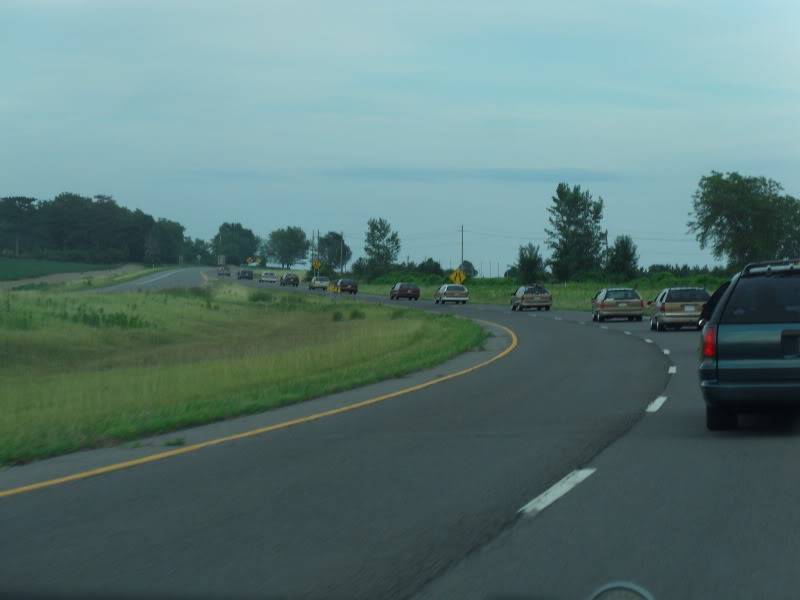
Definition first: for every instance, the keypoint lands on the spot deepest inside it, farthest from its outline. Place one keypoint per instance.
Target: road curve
(383, 502)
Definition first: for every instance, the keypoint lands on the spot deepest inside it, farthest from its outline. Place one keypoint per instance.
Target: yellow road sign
(316, 264)
(458, 276)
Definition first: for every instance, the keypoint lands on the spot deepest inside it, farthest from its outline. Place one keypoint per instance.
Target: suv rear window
(622, 295)
(536, 289)
(698, 295)
(772, 299)
(456, 288)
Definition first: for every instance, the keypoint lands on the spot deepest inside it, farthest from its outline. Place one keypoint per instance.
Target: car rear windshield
(698, 295)
(622, 295)
(537, 289)
(348, 282)
(772, 299)
(456, 288)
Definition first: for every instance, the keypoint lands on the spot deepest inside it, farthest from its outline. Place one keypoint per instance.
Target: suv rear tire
(719, 418)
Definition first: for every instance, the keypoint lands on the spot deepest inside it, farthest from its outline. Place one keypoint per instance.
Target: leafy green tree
(235, 242)
(287, 246)
(623, 260)
(382, 245)
(198, 251)
(17, 222)
(468, 268)
(745, 219)
(168, 237)
(530, 265)
(430, 267)
(333, 250)
(575, 235)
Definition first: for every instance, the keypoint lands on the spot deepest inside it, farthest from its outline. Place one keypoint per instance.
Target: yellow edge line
(261, 430)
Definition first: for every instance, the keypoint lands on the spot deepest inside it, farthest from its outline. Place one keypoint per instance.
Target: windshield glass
(757, 300)
(622, 295)
(693, 295)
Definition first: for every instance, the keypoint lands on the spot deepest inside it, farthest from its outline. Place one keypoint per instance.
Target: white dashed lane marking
(656, 404)
(666, 351)
(672, 370)
(555, 492)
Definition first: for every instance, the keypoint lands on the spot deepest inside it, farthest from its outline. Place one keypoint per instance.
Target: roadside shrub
(357, 314)
(337, 316)
(86, 315)
(261, 296)
(289, 303)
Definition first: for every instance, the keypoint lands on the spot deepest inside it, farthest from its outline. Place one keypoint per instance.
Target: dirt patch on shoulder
(64, 277)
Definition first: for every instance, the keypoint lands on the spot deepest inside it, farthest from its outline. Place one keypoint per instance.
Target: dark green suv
(750, 350)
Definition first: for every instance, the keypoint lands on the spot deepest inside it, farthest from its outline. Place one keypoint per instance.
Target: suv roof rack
(770, 266)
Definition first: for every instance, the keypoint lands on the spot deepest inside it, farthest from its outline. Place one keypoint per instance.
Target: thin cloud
(446, 175)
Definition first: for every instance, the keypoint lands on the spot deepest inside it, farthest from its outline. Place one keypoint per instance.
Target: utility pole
(462, 247)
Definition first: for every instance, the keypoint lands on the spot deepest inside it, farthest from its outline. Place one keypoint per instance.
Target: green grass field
(90, 281)
(81, 370)
(569, 296)
(20, 268)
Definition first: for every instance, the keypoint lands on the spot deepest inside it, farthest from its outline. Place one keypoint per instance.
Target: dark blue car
(751, 343)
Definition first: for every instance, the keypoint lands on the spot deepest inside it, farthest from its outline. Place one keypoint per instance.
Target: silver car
(319, 283)
(268, 278)
(451, 292)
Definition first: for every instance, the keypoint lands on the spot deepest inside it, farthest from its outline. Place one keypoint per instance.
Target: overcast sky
(432, 114)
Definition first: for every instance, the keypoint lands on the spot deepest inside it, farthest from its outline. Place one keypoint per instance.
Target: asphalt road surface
(420, 496)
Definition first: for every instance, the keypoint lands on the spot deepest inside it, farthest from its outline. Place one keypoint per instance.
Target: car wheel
(547, 308)
(513, 307)
(719, 418)
(600, 318)
(652, 324)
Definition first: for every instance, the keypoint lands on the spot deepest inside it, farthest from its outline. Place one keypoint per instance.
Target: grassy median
(87, 370)
(21, 268)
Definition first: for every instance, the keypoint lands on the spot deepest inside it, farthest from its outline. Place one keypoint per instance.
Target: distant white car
(268, 278)
(319, 283)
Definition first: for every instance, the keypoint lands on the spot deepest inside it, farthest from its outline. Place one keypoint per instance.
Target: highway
(421, 496)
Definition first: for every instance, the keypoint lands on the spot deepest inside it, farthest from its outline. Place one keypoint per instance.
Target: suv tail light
(662, 308)
(602, 305)
(641, 303)
(710, 341)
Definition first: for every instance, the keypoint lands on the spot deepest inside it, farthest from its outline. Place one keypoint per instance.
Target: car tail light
(662, 308)
(710, 341)
(602, 305)
(641, 303)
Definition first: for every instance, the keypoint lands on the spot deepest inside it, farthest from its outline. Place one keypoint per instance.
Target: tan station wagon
(451, 293)
(617, 303)
(678, 307)
(531, 296)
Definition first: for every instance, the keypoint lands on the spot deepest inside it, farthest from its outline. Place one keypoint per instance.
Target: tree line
(74, 227)
(741, 219)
